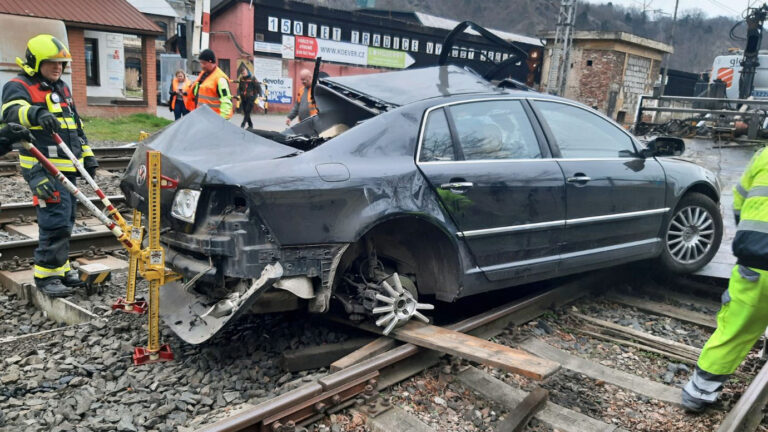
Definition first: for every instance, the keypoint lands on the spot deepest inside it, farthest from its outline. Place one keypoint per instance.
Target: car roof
(411, 85)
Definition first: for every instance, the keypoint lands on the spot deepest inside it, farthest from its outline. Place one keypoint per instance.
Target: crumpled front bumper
(192, 316)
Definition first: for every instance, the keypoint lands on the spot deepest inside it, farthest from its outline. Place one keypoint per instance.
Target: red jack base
(142, 356)
(137, 307)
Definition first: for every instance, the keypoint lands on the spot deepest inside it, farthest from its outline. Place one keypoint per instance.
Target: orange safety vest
(312, 106)
(189, 98)
(208, 90)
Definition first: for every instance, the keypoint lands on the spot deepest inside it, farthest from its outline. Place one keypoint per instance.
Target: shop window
(92, 62)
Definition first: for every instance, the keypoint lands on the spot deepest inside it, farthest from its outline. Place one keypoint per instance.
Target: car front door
(486, 161)
(615, 198)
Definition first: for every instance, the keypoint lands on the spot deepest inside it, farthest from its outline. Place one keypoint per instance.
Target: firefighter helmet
(40, 48)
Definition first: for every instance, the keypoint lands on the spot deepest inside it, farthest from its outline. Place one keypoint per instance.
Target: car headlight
(185, 205)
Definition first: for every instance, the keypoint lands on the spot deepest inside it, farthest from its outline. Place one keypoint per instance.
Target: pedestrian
(247, 94)
(38, 99)
(742, 317)
(305, 106)
(181, 101)
(212, 86)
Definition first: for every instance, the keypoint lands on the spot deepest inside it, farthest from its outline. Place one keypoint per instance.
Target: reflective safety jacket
(310, 101)
(213, 90)
(188, 97)
(23, 99)
(750, 205)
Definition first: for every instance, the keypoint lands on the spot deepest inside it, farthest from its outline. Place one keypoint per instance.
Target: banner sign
(344, 52)
(280, 90)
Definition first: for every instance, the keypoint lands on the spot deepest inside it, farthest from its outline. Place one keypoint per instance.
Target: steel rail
(110, 158)
(746, 414)
(78, 244)
(25, 211)
(487, 324)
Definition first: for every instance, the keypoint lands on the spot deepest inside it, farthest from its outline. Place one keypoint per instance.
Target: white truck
(17, 30)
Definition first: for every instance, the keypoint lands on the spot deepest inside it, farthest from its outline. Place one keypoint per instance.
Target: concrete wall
(111, 63)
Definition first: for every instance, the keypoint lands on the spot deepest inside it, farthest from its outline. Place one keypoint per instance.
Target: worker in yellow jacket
(212, 86)
(743, 316)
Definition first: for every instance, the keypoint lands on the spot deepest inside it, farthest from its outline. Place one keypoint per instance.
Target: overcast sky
(729, 8)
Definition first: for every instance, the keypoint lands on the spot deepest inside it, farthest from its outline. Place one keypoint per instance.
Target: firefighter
(38, 99)
(305, 104)
(742, 317)
(212, 86)
(12, 133)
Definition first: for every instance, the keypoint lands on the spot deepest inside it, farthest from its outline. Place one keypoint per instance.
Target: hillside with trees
(698, 38)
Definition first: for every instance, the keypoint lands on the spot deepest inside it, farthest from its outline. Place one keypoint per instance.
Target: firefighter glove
(90, 164)
(12, 133)
(48, 121)
(41, 183)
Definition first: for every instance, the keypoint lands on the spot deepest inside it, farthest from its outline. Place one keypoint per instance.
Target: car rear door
(487, 162)
(615, 198)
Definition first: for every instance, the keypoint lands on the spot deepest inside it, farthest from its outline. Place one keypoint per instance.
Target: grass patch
(122, 129)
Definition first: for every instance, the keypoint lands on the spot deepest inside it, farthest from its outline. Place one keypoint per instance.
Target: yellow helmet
(40, 48)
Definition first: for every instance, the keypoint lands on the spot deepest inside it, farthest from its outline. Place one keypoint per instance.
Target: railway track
(20, 219)
(110, 158)
(382, 364)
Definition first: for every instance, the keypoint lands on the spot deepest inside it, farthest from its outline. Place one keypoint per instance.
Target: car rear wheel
(692, 235)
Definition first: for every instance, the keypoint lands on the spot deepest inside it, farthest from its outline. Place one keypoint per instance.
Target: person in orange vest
(212, 86)
(181, 102)
(305, 106)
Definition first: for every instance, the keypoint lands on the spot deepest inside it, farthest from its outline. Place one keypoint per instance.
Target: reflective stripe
(67, 123)
(753, 225)
(87, 151)
(45, 272)
(207, 98)
(740, 189)
(24, 116)
(758, 191)
(11, 103)
(64, 165)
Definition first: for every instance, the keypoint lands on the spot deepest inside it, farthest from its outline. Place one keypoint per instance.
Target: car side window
(436, 144)
(495, 130)
(582, 134)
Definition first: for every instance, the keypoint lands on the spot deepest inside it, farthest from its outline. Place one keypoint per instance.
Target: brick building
(609, 70)
(95, 33)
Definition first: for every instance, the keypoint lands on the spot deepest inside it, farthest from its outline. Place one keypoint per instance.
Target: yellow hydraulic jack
(151, 263)
(130, 304)
(150, 260)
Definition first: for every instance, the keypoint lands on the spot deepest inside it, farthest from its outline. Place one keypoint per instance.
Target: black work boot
(72, 279)
(53, 287)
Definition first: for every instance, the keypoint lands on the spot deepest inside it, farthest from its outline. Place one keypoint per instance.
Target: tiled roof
(109, 15)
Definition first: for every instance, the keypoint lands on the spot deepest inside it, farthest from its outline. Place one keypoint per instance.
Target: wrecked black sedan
(423, 185)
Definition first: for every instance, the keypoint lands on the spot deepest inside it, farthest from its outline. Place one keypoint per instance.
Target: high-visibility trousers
(741, 321)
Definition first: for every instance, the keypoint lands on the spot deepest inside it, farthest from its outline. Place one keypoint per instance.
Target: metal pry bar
(111, 210)
(121, 235)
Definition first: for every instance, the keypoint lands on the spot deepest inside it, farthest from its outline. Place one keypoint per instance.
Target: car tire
(692, 234)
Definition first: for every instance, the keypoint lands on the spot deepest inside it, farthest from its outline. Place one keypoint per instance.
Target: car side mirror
(664, 146)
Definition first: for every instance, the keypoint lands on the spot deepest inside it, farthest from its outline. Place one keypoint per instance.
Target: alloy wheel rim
(690, 234)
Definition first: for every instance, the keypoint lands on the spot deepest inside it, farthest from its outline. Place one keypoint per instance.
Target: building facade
(95, 33)
(610, 70)
(276, 39)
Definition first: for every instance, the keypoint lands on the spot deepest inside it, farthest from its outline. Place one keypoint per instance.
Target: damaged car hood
(199, 142)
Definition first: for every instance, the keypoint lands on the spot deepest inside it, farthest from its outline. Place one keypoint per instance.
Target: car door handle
(578, 178)
(457, 185)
